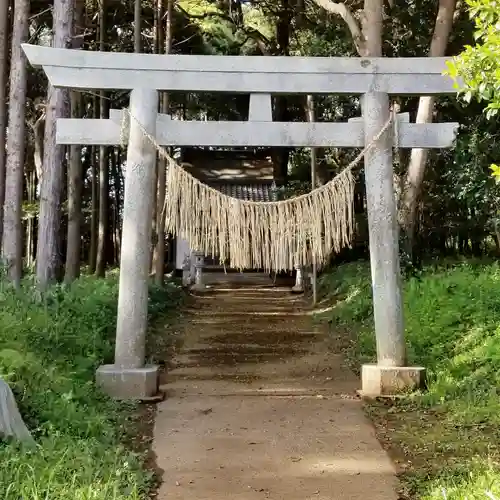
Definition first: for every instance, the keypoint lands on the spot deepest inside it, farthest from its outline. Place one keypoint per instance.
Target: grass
(49, 350)
(446, 439)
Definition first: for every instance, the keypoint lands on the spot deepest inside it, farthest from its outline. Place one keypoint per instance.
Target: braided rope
(163, 153)
(273, 235)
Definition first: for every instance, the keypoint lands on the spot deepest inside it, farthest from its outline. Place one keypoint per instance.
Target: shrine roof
(254, 191)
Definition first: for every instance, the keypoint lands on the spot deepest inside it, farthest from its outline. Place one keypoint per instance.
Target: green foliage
(495, 172)
(452, 318)
(49, 350)
(463, 177)
(479, 65)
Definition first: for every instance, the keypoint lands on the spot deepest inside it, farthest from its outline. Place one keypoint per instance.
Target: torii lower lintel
(108, 132)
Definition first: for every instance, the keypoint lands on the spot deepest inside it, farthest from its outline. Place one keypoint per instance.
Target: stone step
(225, 349)
(223, 313)
(236, 321)
(230, 302)
(233, 359)
(257, 369)
(260, 337)
(238, 387)
(235, 387)
(244, 290)
(277, 299)
(240, 308)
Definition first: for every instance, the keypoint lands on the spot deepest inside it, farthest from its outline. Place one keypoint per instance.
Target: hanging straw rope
(273, 236)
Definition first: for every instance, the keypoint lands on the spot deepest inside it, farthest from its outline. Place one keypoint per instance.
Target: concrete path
(258, 408)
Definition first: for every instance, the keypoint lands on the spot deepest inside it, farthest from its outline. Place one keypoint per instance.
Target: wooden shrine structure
(145, 74)
(242, 173)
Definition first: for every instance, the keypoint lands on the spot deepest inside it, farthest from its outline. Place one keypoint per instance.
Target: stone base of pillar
(186, 277)
(299, 280)
(199, 287)
(380, 381)
(128, 383)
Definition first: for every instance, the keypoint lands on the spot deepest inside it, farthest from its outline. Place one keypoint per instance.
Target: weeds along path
(257, 407)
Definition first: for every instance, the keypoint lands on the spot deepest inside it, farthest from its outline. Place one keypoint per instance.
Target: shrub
(49, 350)
(452, 318)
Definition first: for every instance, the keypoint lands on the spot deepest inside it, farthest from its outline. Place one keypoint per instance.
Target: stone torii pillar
(128, 377)
(391, 372)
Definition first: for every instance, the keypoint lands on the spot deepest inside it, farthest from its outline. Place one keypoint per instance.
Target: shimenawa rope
(274, 236)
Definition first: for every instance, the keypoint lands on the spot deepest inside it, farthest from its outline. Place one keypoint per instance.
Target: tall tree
(12, 230)
(4, 38)
(94, 216)
(363, 40)
(157, 44)
(284, 19)
(372, 26)
(162, 166)
(418, 158)
(103, 162)
(137, 26)
(72, 267)
(311, 118)
(48, 248)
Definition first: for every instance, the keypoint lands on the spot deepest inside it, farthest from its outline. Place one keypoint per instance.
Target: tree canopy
(478, 66)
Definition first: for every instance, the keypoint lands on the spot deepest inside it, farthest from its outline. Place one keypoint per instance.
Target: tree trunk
(118, 181)
(4, 53)
(12, 230)
(30, 224)
(94, 222)
(103, 165)
(103, 204)
(418, 158)
(372, 28)
(157, 47)
(281, 156)
(38, 133)
(114, 211)
(311, 118)
(72, 269)
(162, 166)
(341, 9)
(48, 248)
(137, 26)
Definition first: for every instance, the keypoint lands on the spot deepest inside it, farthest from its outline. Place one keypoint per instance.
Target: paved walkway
(258, 408)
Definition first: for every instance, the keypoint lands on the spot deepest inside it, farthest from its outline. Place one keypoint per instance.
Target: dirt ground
(258, 407)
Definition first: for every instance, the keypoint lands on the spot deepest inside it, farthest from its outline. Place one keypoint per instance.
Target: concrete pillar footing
(129, 383)
(389, 381)
(199, 287)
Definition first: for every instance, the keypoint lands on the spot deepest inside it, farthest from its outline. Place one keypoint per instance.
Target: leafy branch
(341, 9)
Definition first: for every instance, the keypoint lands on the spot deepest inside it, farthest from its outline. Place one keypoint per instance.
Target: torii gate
(374, 78)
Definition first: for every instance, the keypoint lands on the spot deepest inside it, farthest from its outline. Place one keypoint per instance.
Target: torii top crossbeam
(242, 74)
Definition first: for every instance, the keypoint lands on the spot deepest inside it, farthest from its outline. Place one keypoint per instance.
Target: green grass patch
(449, 435)
(49, 351)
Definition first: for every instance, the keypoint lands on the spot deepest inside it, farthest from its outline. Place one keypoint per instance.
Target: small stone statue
(299, 280)
(186, 271)
(11, 422)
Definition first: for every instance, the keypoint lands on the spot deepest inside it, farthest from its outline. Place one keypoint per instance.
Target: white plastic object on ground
(11, 422)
